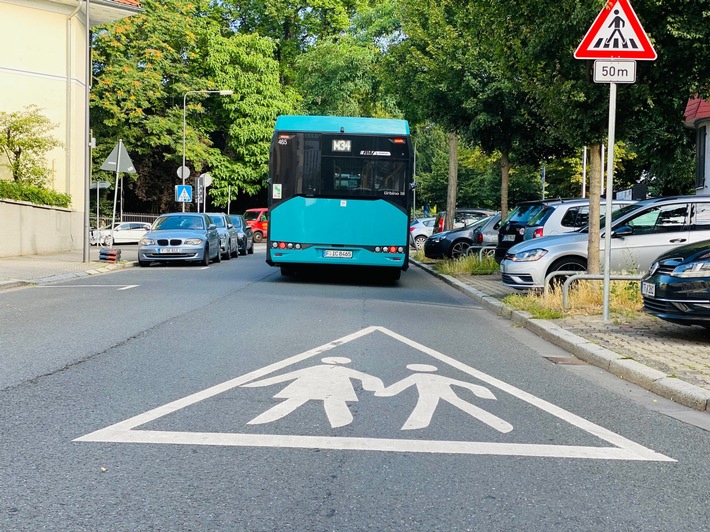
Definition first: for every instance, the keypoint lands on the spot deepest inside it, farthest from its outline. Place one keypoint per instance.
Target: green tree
(145, 64)
(25, 139)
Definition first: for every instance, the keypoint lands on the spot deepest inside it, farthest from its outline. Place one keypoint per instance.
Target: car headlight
(699, 268)
(528, 256)
(193, 241)
(146, 242)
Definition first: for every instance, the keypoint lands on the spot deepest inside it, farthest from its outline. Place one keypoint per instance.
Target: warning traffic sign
(307, 400)
(616, 34)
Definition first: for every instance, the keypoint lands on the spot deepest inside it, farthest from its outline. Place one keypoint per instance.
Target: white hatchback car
(124, 233)
(640, 233)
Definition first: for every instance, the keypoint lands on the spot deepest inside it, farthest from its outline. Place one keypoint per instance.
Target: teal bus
(340, 191)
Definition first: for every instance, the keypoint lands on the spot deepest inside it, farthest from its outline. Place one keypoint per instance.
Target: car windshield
(522, 213)
(236, 221)
(541, 216)
(478, 223)
(178, 222)
(615, 215)
(218, 221)
(251, 215)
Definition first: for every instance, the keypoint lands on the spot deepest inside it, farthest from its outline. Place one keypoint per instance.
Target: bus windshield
(308, 164)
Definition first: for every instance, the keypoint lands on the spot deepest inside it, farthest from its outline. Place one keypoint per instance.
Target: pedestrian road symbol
(316, 383)
(183, 193)
(616, 34)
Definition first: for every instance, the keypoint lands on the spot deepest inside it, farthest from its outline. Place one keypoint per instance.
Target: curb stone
(623, 367)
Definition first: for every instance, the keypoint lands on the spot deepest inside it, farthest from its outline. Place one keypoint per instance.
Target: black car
(245, 235)
(677, 286)
(512, 229)
(452, 244)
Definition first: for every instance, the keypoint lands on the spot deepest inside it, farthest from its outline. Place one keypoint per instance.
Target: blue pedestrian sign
(183, 193)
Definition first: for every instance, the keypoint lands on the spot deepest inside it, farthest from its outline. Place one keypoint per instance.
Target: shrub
(33, 194)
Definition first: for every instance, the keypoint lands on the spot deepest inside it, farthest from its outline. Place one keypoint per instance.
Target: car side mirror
(211, 227)
(624, 230)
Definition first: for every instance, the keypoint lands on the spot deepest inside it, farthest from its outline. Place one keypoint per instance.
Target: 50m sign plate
(607, 71)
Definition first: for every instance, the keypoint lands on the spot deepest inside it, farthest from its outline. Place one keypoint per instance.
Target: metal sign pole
(609, 192)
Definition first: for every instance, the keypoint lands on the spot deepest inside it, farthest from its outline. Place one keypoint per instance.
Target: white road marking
(125, 431)
(122, 286)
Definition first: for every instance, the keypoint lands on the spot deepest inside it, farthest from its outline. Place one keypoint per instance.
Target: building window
(700, 158)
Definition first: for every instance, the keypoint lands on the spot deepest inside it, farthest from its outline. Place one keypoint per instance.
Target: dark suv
(462, 218)
(512, 229)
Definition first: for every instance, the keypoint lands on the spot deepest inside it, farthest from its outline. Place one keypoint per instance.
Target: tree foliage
(25, 140)
(147, 68)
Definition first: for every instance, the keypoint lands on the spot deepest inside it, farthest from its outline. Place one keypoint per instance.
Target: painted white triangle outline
(126, 431)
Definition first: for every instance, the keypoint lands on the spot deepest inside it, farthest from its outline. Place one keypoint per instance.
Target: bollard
(111, 256)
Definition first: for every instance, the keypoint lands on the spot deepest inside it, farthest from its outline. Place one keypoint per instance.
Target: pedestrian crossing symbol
(616, 34)
(183, 193)
(374, 390)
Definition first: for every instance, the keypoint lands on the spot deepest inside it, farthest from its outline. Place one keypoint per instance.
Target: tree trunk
(504, 175)
(595, 169)
(453, 182)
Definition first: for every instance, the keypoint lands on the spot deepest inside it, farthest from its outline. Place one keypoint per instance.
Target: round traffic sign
(183, 172)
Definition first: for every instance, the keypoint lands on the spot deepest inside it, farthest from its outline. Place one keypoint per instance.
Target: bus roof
(344, 124)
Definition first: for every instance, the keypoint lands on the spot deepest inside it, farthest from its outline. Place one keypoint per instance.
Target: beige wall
(36, 230)
(34, 69)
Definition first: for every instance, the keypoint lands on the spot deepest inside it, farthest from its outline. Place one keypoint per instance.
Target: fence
(105, 221)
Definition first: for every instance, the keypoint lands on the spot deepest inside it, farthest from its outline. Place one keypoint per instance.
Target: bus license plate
(169, 250)
(648, 289)
(337, 254)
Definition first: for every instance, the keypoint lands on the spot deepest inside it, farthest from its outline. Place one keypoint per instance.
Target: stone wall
(27, 229)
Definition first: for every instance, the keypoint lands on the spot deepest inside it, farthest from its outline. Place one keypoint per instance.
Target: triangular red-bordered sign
(616, 34)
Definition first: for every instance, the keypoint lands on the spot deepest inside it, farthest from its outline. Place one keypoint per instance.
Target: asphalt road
(230, 398)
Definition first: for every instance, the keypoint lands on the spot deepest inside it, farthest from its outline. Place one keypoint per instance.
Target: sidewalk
(670, 360)
(32, 269)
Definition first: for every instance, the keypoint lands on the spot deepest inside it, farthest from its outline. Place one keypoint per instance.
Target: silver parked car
(565, 216)
(180, 236)
(419, 230)
(228, 236)
(640, 233)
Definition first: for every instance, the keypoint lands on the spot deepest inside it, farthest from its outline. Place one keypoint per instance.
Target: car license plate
(508, 238)
(169, 250)
(338, 254)
(648, 289)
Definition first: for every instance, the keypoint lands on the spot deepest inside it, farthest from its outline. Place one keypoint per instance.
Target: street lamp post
(184, 124)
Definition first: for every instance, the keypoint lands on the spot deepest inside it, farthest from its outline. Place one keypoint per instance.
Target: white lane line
(120, 286)
(624, 449)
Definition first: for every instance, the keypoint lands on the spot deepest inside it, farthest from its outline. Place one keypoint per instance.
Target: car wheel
(243, 251)
(251, 249)
(218, 257)
(206, 258)
(459, 249)
(258, 237)
(571, 264)
(419, 242)
(228, 254)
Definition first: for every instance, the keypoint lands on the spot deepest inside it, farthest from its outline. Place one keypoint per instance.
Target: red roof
(697, 109)
(132, 3)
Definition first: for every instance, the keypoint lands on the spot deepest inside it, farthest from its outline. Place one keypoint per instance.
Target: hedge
(33, 194)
